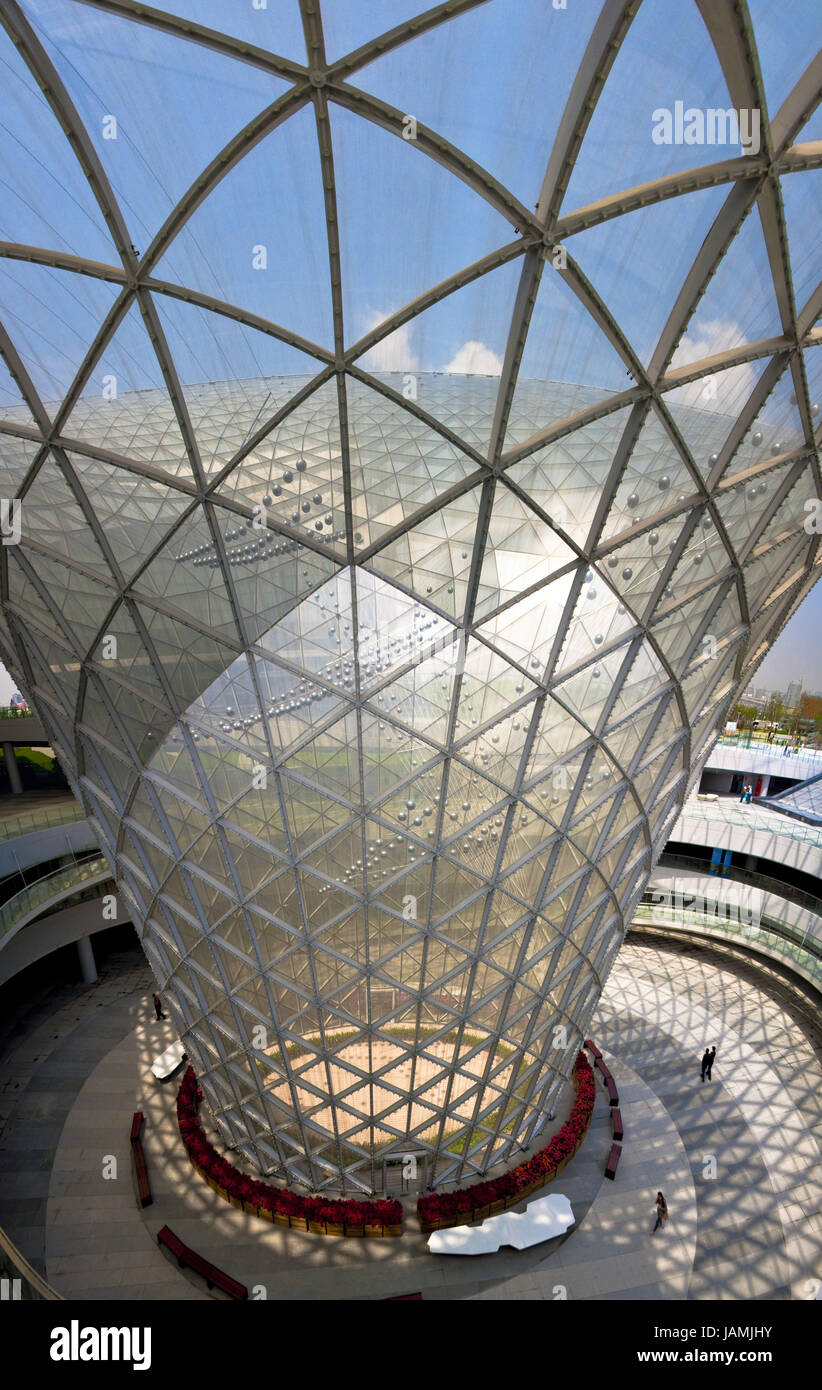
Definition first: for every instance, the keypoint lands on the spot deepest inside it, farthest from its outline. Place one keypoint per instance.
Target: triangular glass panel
(636, 569)
(455, 350)
(637, 263)
(275, 261)
(654, 477)
(776, 430)
(616, 155)
(234, 378)
(566, 477)
(369, 160)
(587, 693)
(598, 620)
(52, 317)
(295, 473)
(497, 751)
(728, 315)
(126, 407)
(434, 558)
(135, 513)
(187, 575)
(50, 516)
(332, 759)
(526, 632)
(521, 550)
(317, 635)
(705, 411)
(154, 82)
(398, 464)
(565, 344)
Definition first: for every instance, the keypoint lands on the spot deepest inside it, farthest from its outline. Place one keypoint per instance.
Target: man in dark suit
(705, 1064)
(710, 1060)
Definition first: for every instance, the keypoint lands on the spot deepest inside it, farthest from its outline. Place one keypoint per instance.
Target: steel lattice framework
(384, 688)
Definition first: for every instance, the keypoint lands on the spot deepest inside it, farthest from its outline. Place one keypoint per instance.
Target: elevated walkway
(46, 892)
(23, 730)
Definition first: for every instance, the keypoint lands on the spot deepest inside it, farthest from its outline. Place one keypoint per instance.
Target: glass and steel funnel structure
(409, 445)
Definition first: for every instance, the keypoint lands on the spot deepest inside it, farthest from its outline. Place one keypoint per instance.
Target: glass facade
(406, 459)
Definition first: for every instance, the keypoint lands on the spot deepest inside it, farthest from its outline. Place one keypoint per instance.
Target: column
(87, 962)
(12, 769)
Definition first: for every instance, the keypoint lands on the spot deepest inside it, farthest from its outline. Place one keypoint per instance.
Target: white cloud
(392, 354)
(475, 359)
(725, 391)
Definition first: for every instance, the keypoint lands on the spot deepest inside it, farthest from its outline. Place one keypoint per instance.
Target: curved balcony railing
(780, 887)
(802, 950)
(24, 1283)
(11, 827)
(32, 900)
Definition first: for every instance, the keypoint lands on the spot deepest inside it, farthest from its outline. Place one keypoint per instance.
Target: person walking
(706, 1062)
(158, 1007)
(661, 1212)
(710, 1060)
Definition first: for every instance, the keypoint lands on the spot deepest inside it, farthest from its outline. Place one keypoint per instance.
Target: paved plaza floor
(737, 1157)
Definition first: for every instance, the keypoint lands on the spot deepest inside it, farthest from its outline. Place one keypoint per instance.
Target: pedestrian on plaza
(158, 1008)
(661, 1212)
(711, 1057)
(706, 1062)
(742, 791)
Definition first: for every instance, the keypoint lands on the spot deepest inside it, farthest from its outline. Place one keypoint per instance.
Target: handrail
(780, 887)
(13, 826)
(61, 883)
(13, 1265)
(780, 939)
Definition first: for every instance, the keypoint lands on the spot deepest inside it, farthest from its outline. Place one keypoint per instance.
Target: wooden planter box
(318, 1227)
(236, 1201)
(298, 1223)
(280, 1218)
(265, 1213)
(354, 1230)
(496, 1207)
(334, 1228)
(374, 1229)
(392, 1231)
(251, 1208)
(480, 1213)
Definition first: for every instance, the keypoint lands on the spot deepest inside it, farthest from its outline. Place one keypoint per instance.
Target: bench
(609, 1081)
(592, 1048)
(616, 1121)
(214, 1277)
(613, 1160)
(140, 1169)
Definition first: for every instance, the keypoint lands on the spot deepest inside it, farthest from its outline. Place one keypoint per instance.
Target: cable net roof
(409, 434)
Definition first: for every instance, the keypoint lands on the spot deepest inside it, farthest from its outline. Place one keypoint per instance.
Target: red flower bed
(276, 1200)
(453, 1207)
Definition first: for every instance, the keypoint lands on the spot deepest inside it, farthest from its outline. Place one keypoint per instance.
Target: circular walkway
(737, 1158)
